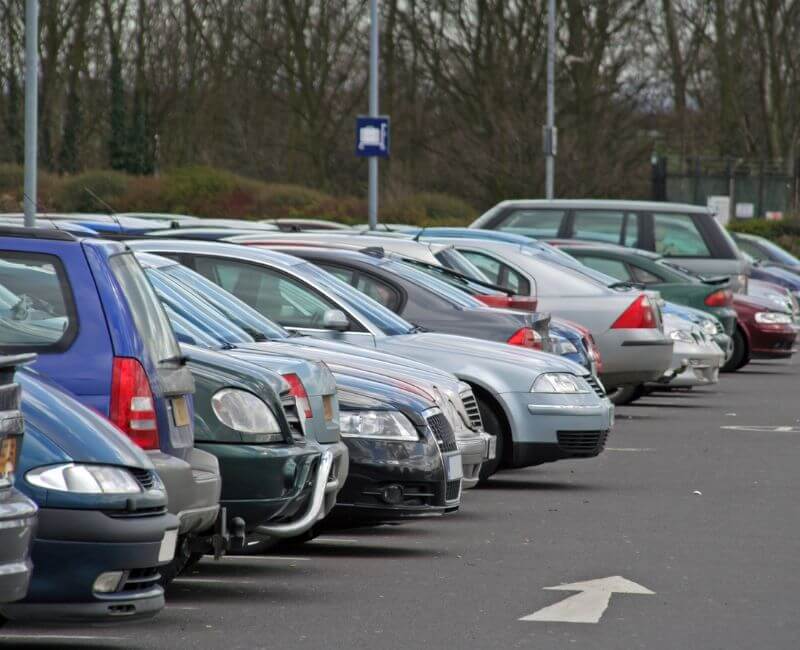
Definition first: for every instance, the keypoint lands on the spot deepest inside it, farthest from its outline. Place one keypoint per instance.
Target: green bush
(430, 209)
(12, 178)
(785, 233)
(71, 194)
(276, 200)
(196, 189)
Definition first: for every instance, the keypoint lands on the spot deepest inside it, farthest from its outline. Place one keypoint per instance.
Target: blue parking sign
(372, 137)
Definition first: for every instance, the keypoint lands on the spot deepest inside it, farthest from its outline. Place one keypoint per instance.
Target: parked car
(104, 533)
(209, 311)
(17, 512)
(651, 270)
(687, 234)
(696, 358)
(272, 471)
(110, 226)
(202, 232)
(624, 321)
(426, 301)
(765, 332)
(85, 307)
(765, 251)
(710, 325)
(541, 407)
(299, 225)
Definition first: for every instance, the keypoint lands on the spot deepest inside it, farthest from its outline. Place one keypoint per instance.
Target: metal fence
(767, 186)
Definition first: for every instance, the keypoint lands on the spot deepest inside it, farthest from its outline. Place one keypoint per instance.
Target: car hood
(60, 429)
(496, 353)
(356, 393)
(316, 378)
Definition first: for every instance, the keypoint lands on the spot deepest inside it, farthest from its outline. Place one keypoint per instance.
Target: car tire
(492, 424)
(740, 356)
(622, 395)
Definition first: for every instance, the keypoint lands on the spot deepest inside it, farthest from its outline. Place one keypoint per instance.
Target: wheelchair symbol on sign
(372, 136)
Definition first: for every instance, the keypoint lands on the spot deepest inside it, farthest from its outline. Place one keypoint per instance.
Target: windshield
(196, 311)
(257, 325)
(188, 332)
(567, 261)
(777, 254)
(426, 279)
(379, 316)
(148, 314)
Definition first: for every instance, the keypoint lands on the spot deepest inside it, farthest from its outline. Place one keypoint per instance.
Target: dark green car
(651, 270)
(268, 474)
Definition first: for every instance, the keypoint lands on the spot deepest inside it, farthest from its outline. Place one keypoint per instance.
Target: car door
(280, 296)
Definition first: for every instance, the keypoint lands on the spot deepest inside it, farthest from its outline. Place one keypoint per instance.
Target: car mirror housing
(335, 319)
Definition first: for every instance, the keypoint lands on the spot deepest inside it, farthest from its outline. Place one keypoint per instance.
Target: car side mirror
(335, 319)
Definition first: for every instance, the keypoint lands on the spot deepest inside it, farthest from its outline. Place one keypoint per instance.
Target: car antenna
(418, 235)
(111, 211)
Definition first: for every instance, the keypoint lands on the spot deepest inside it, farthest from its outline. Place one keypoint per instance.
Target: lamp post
(550, 131)
(31, 108)
(373, 110)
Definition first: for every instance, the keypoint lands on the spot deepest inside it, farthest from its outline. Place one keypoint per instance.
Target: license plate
(327, 407)
(492, 451)
(167, 550)
(454, 468)
(180, 412)
(8, 456)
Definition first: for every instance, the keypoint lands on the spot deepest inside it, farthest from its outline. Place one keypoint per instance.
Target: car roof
(655, 206)
(223, 249)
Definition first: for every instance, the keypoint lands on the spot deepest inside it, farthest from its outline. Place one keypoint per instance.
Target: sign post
(31, 108)
(550, 128)
(373, 110)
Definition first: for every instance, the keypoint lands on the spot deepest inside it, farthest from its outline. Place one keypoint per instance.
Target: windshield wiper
(417, 329)
(626, 284)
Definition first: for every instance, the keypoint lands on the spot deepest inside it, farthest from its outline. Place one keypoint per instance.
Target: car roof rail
(36, 233)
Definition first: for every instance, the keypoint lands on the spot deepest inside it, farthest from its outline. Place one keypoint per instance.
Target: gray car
(624, 321)
(687, 234)
(541, 407)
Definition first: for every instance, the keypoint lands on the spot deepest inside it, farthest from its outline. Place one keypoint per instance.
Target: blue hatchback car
(87, 309)
(104, 529)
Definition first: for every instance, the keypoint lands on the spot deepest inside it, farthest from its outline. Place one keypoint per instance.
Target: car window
(644, 276)
(777, 254)
(599, 225)
(614, 268)
(499, 273)
(532, 222)
(631, 230)
(676, 235)
(275, 295)
(148, 314)
(751, 248)
(36, 307)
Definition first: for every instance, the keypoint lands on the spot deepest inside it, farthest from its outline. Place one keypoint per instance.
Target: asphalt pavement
(695, 500)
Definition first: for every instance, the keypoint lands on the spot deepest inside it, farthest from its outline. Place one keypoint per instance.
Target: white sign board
(745, 210)
(721, 205)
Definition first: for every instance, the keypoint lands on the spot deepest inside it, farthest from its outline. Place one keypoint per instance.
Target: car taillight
(527, 337)
(300, 395)
(496, 300)
(594, 352)
(132, 408)
(639, 315)
(525, 303)
(721, 298)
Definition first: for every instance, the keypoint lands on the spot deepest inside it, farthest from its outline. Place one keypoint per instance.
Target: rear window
(36, 307)
(148, 314)
(533, 223)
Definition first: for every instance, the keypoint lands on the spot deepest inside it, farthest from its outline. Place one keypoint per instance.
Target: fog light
(392, 494)
(108, 582)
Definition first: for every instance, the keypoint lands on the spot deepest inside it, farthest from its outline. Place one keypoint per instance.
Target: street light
(373, 110)
(550, 131)
(31, 108)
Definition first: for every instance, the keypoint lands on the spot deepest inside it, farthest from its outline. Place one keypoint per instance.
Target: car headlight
(84, 479)
(560, 382)
(379, 425)
(773, 318)
(562, 347)
(711, 328)
(246, 413)
(682, 336)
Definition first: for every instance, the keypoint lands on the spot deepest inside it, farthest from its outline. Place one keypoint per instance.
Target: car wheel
(492, 424)
(740, 356)
(625, 395)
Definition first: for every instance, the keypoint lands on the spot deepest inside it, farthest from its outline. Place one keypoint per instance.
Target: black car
(426, 301)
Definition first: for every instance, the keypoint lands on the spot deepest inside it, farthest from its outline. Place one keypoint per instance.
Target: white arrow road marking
(589, 605)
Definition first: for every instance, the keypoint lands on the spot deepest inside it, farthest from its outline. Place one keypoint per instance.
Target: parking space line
(335, 540)
(630, 449)
(215, 580)
(68, 637)
(267, 557)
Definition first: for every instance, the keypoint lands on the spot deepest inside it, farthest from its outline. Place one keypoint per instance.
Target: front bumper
(777, 342)
(73, 547)
(633, 356)
(548, 427)
(474, 452)
(17, 527)
(395, 481)
(193, 488)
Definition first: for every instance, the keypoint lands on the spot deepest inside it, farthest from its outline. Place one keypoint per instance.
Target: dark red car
(766, 333)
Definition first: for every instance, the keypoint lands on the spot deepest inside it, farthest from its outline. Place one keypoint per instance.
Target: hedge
(785, 233)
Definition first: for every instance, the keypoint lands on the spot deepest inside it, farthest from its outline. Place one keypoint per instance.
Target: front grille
(140, 580)
(582, 443)
(596, 387)
(473, 412)
(144, 477)
(443, 432)
(452, 491)
(292, 415)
